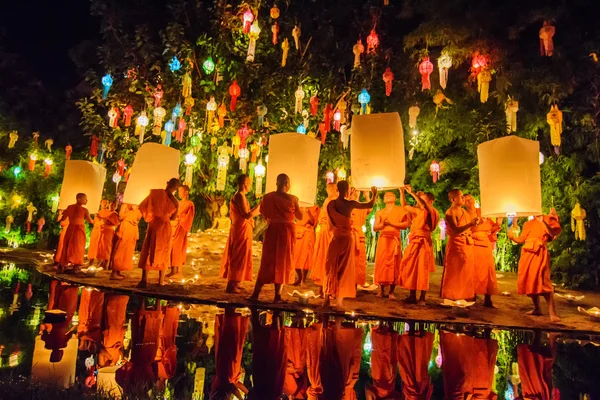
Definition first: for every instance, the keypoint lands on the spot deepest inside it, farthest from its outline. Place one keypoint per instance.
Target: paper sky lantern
(297, 156)
(509, 177)
(377, 151)
(82, 177)
(107, 383)
(153, 166)
(61, 373)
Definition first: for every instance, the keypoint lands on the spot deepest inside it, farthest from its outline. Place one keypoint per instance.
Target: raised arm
(369, 204)
(524, 232)
(452, 220)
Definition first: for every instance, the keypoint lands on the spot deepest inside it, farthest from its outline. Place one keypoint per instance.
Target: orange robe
(74, 241)
(388, 255)
(157, 210)
(340, 280)
(268, 362)
(277, 261)
(359, 218)
(114, 329)
(314, 344)
(534, 263)
(341, 359)
(413, 357)
(383, 362)
(95, 237)
(237, 258)
(61, 240)
(166, 355)
(535, 370)
(458, 365)
(458, 279)
(483, 257)
(110, 220)
(296, 349)
(185, 217)
(230, 335)
(418, 259)
(90, 314)
(305, 239)
(323, 238)
(483, 364)
(128, 234)
(56, 336)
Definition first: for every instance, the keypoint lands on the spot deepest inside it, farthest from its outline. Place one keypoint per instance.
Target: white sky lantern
(153, 166)
(82, 177)
(107, 383)
(377, 151)
(60, 373)
(509, 177)
(297, 156)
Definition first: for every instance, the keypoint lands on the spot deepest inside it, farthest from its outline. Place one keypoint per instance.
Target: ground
(204, 258)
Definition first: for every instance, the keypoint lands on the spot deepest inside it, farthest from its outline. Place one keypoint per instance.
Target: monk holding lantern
(323, 238)
(74, 240)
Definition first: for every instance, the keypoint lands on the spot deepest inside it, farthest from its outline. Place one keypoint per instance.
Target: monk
(534, 264)
(418, 260)
(61, 239)
(236, 265)
(414, 353)
(128, 234)
(95, 234)
(74, 241)
(388, 256)
(277, 262)
(181, 227)
(459, 271)
(113, 333)
(359, 219)
(323, 238)
(295, 383)
(383, 364)
(110, 220)
(483, 253)
(158, 209)
(305, 243)
(90, 318)
(314, 344)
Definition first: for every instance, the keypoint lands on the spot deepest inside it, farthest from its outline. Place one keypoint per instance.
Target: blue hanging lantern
(364, 98)
(17, 170)
(175, 64)
(177, 110)
(301, 129)
(169, 126)
(107, 82)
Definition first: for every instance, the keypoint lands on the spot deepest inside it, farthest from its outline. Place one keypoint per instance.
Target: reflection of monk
(158, 209)
(181, 228)
(414, 352)
(90, 318)
(483, 365)
(74, 241)
(457, 365)
(314, 344)
(305, 243)
(110, 220)
(359, 219)
(113, 333)
(95, 234)
(61, 239)
(56, 335)
(323, 238)
(295, 383)
(127, 235)
(383, 364)
(276, 263)
(535, 369)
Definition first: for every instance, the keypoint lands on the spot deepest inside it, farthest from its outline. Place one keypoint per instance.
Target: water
(74, 336)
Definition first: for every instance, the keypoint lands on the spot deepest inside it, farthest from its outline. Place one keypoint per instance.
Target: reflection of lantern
(222, 163)
(509, 177)
(211, 107)
(128, 112)
(425, 69)
(259, 173)
(330, 177)
(82, 177)
(140, 127)
(47, 167)
(254, 34)
(247, 17)
(190, 160)
(377, 151)
(358, 49)
(299, 97)
(234, 92)
(341, 174)
(434, 170)
(388, 77)
(106, 382)
(32, 160)
(107, 82)
(444, 64)
(244, 154)
(208, 66)
(364, 98)
(372, 42)
(297, 156)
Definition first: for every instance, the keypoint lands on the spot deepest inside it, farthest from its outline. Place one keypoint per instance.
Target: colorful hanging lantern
(174, 64)
(36, 136)
(299, 97)
(116, 178)
(48, 142)
(13, 137)
(9, 222)
(578, 216)
(285, 46)
(413, 114)
(247, 19)
(314, 104)
(158, 95)
(296, 35)
(546, 39)
(327, 116)
(483, 85)
(244, 155)
(176, 112)
(444, 64)
(140, 126)
(31, 210)
(32, 160)
(159, 116)
(301, 129)
(261, 111)
(113, 117)
(425, 69)
(16, 171)
(259, 173)
(190, 160)
(103, 149)
(181, 126)
(342, 106)
(128, 113)
(253, 35)
(274, 12)
(47, 167)
(168, 133)
(479, 61)
(341, 174)
(337, 117)
(512, 106)
(195, 141)
(434, 170)
(234, 92)
(275, 33)
(121, 167)
(372, 42)
(186, 85)
(358, 49)
(222, 163)
(222, 112)
(40, 225)
(211, 107)
(94, 146)
(208, 66)
(107, 82)
(188, 103)
(243, 134)
(555, 120)
(388, 77)
(364, 98)
(68, 151)
(330, 177)
(542, 158)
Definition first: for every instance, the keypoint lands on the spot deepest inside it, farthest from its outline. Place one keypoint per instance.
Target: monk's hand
(408, 188)
(374, 190)
(476, 221)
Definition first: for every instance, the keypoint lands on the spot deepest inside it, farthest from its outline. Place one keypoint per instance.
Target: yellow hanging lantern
(140, 127)
(285, 46)
(211, 107)
(341, 174)
(190, 160)
(578, 216)
(555, 120)
(186, 83)
(259, 173)
(253, 35)
(483, 85)
(222, 163)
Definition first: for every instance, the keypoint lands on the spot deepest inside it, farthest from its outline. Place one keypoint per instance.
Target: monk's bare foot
(410, 300)
(554, 318)
(391, 296)
(233, 289)
(170, 274)
(177, 277)
(421, 303)
(279, 300)
(535, 312)
(116, 277)
(142, 285)
(489, 304)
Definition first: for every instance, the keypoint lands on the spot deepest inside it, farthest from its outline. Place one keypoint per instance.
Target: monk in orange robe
(414, 353)
(236, 265)
(305, 243)
(230, 335)
(95, 234)
(535, 368)
(458, 365)
(61, 239)
(314, 344)
(323, 238)
(340, 280)
(269, 358)
(383, 364)
(388, 256)
(56, 335)
(158, 209)
(90, 318)
(113, 334)
(295, 383)
(483, 253)
(483, 362)
(359, 219)
(181, 227)
(128, 234)
(110, 220)
(458, 279)
(74, 241)
(277, 261)
(534, 264)
(166, 354)
(418, 260)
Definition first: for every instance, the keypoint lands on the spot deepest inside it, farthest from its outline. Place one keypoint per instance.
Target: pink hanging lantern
(372, 42)
(243, 133)
(337, 117)
(425, 68)
(127, 114)
(330, 177)
(248, 18)
(388, 77)
(121, 167)
(434, 170)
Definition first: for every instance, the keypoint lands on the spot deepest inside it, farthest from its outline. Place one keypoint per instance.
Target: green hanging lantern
(208, 66)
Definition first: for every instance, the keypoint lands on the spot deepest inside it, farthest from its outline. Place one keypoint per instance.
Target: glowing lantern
(254, 34)
(176, 112)
(314, 104)
(372, 42)
(32, 160)
(13, 137)
(113, 117)
(158, 94)
(222, 112)
(244, 154)
(181, 125)
(413, 113)
(546, 39)
(330, 177)
(107, 82)
(444, 64)
(509, 177)
(479, 62)
(483, 84)
(337, 117)
(243, 133)
(358, 49)
(296, 35)
(301, 129)
(208, 66)
(377, 151)
(261, 111)
(222, 163)
(342, 106)
(82, 177)
(128, 112)
(341, 174)
(31, 210)
(555, 120)
(542, 158)
(247, 17)
(54, 206)
(327, 115)
(274, 12)
(434, 170)
(364, 98)
(174, 64)
(159, 116)
(169, 127)
(195, 141)
(299, 97)
(388, 77)
(275, 33)
(152, 167)
(259, 173)
(186, 85)
(425, 69)
(512, 106)
(578, 216)
(94, 146)
(297, 156)
(211, 107)
(190, 160)
(116, 178)
(234, 92)
(47, 167)
(442, 226)
(140, 126)
(285, 46)
(9, 221)
(16, 171)
(188, 103)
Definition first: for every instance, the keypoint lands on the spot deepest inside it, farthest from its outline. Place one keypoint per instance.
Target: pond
(71, 336)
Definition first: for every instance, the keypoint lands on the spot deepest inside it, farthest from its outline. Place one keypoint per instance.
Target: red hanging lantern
(181, 126)
(243, 133)
(127, 113)
(275, 31)
(425, 68)
(314, 105)
(388, 77)
(337, 117)
(68, 151)
(327, 114)
(434, 170)
(323, 132)
(121, 167)
(479, 62)
(248, 18)
(234, 92)
(94, 146)
(47, 167)
(372, 42)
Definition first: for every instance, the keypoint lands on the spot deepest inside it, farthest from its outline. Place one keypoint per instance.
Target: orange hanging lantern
(274, 12)
(47, 167)
(234, 91)
(425, 68)
(32, 160)
(388, 77)
(221, 113)
(434, 170)
(248, 18)
(372, 42)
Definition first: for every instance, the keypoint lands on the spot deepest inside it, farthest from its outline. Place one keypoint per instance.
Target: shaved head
(343, 187)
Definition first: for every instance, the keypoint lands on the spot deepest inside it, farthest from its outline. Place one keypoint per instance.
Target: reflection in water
(151, 348)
